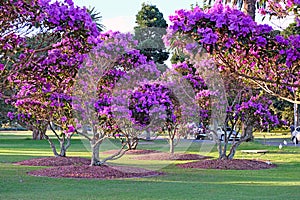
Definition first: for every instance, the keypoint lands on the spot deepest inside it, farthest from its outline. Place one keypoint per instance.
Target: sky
(119, 15)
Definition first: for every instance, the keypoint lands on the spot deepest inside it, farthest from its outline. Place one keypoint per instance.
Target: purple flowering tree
(247, 110)
(201, 92)
(154, 106)
(165, 106)
(51, 40)
(231, 103)
(240, 46)
(246, 56)
(102, 84)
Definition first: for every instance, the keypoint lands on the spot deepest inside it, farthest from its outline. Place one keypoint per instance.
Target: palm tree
(97, 18)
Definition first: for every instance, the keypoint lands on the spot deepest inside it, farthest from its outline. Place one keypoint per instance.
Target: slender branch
(68, 142)
(117, 155)
(52, 129)
(84, 135)
(266, 89)
(52, 145)
(100, 140)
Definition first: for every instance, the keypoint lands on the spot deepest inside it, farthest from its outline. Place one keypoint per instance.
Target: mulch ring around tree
(133, 152)
(169, 156)
(235, 164)
(95, 172)
(75, 167)
(55, 161)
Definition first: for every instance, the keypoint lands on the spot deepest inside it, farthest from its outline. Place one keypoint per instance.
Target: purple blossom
(71, 129)
(64, 119)
(262, 42)
(10, 115)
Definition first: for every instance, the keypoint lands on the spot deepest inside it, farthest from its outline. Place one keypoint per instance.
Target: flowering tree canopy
(43, 44)
(240, 46)
(156, 106)
(241, 50)
(102, 86)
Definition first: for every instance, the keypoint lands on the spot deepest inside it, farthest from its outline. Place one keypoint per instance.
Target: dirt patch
(55, 161)
(95, 172)
(169, 156)
(133, 152)
(235, 164)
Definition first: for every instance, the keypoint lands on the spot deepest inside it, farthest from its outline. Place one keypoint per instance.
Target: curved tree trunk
(63, 149)
(95, 160)
(233, 150)
(52, 145)
(132, 143)
(135, 143)
(172, 146)
(246, 134)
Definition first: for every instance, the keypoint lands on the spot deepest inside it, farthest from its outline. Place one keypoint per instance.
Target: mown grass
(278, 183)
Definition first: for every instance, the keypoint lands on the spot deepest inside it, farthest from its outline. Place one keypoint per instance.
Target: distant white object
(232, 135)
(280, 146)
(268, 162)
(284, 142)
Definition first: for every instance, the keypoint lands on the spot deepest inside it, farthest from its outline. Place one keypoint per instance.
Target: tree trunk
(38, 133)
(296, 116)
(129, 143)
(171, 142)
(132, 143)
(135, 143)
(219, 147)
(63, 149)
(148, 135)
(247, 130)
(233, 150)
(95, 161)
(249, 8)
(223, 151)
(52, 145)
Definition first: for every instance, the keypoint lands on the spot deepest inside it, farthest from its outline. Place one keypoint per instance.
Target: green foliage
(151, 27)
(284, 110)
(150, 16)
(292, 29)
(4, 109)
(6, 106)
(177, 57)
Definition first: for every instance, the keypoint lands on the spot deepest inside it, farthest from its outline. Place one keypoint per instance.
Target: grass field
(279, 183)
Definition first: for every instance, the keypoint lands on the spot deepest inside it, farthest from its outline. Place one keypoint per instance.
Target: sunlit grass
(273, 134)
(277, 183)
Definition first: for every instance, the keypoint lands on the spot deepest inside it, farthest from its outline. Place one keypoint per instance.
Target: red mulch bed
(75, 167)
(55, 161)
(94, 172)
(133, 152)
(169, 156)
(235, 164)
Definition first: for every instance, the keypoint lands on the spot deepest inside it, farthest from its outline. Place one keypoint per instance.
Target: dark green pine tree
(150, 29)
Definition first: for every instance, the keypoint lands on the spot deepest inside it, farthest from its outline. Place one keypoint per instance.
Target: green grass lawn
(279, 183)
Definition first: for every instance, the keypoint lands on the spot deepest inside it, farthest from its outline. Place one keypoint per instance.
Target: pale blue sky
(119, 15)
